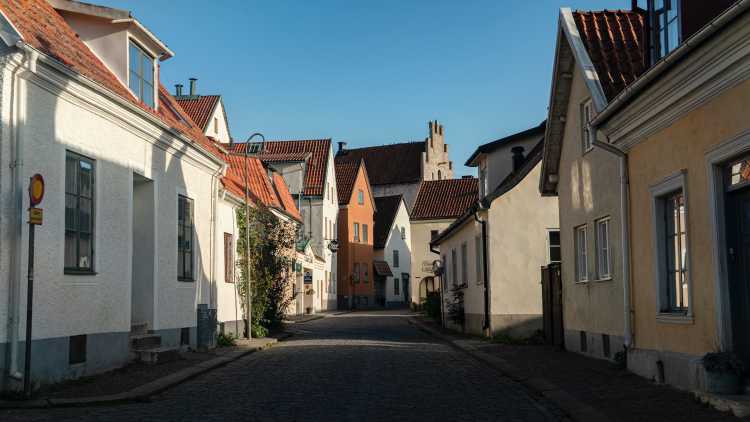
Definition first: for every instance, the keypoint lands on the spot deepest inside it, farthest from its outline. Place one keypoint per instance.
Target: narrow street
(356, 367)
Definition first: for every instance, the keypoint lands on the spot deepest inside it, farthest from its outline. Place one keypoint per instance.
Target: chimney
(178, 90)
(342, 147)
(517, 157)
(192, 86)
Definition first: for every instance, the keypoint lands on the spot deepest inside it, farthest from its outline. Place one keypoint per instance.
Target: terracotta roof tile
(346, 176)
(387, 208)
(199, 108)
(44, 29)
(259, 184)
(389, 164)
(615, 41)
(278, 158)
(382, 268)
(291, 151)
(448, 198)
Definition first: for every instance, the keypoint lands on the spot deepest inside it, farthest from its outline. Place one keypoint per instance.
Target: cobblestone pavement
(352, 367)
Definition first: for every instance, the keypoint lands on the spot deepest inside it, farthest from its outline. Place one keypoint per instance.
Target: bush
(432, 305)
(723, 362)
(225, 340)
(259, 331)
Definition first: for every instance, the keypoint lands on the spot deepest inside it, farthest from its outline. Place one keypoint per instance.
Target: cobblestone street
(358, 366)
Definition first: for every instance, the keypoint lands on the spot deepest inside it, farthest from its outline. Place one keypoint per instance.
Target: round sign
(36, 189)
(333, 246)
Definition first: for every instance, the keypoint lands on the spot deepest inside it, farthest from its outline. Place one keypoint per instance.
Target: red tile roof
(382, 268)
(45, 30)
(295, 150)
(199, 108)
(259, 184)
(389, 164)
(346, 176)
(615, 41)
(448, 198)
(278, 158)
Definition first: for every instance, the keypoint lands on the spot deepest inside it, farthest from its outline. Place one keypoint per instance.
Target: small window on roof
(141, 74)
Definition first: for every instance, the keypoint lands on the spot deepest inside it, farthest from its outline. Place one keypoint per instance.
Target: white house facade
(392, 246)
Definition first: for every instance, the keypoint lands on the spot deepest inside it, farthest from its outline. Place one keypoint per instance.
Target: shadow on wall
(112, 215)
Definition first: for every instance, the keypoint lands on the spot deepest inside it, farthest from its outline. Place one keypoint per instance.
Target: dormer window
(141, 74)
(665, 26)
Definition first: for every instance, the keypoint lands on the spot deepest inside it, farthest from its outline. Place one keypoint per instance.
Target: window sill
(675, 318)
(79, 272)
(581, 282)
(603, 279)
(186, 280)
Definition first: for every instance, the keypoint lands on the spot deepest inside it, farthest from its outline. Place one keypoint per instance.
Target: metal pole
(247, 236)
(29, 311)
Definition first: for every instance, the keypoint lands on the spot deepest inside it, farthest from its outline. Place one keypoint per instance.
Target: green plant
(431, 305)
(225, 340)
(270, 253)
(723, 362)
(456, 306)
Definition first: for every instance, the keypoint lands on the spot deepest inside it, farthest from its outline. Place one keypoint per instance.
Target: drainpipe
(486, 327)
(625, 233)
(29, 62)
(214, 202)
(442, 293)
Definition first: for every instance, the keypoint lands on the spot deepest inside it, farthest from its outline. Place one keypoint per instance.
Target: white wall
(228, 301)
(421, 257)
(403, 246)
(221, 131)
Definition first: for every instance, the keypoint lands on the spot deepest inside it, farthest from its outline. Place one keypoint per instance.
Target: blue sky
(366, 72)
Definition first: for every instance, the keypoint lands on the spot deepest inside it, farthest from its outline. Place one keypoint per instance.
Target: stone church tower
(436, 165)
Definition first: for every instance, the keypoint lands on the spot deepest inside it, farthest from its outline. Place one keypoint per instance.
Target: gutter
(624, 234)
(29, 62)
(632, 91)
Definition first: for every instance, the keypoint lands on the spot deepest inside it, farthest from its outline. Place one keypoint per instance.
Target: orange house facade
(356, 286)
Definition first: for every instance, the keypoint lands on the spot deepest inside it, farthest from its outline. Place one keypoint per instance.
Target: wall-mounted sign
(333, 246)
(36, 216)
(36, 190)
(308, 277)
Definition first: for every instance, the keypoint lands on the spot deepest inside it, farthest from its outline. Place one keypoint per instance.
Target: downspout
(214, 203)
(29, 62)
(624, 234)
(486, 327)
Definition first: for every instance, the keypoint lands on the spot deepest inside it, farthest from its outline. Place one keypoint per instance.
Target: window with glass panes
(79, 213)
(675, 237)
(464, 263)
(603, 255)
(365, 236)
(581, 254)
(185, 238)
(356, 232)
(395, 259)
(554, 245)
(141, 74)
(665, 24)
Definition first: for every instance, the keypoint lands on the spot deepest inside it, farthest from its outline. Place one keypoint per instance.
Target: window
(184, 238)
(433, 234)
(79, 213)
(77, 349)
(478, 257)
(675, 239)
(581, 254)
(454, 265)
(141, 80)
(364, 233)
(553, 241)
(440, 175)
(396, 286)
(445, 272)
(586, 116)
(395, 259)
(403, 233)
(365, 270)
(216, 125)
(185, 336)
(464, 263)
(665, 24)
(356, 272)
(356, 232)
(228, 258)
(360, 197)
(603, 254)
(670, 218)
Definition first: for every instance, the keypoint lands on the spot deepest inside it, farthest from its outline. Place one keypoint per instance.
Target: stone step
(145, 341)
(157, 355)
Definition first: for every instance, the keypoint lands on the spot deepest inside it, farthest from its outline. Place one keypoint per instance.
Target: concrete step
(138, 328)
(157, 355)
(145, 341)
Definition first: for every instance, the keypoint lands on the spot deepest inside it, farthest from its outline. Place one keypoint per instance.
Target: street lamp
(247, 231)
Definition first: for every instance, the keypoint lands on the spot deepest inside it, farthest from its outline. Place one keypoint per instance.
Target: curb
(571, 406)
(145, 391)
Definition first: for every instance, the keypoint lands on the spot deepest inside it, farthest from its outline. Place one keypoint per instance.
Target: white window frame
(581, 257)
(587, 114)
(603, 249)
(667, 187)
(356, 232)
(155, 88)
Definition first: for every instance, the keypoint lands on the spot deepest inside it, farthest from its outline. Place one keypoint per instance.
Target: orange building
(356, 286)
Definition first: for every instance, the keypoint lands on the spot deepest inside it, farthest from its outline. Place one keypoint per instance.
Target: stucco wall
(228, 302)
(682, 146)
(500, 161)
(222, 134)
(422, 258)
(395, 242)
(589, 189)
(517, 230)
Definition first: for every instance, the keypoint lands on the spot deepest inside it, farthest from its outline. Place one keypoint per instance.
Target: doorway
(143, 252)
(738, 262)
